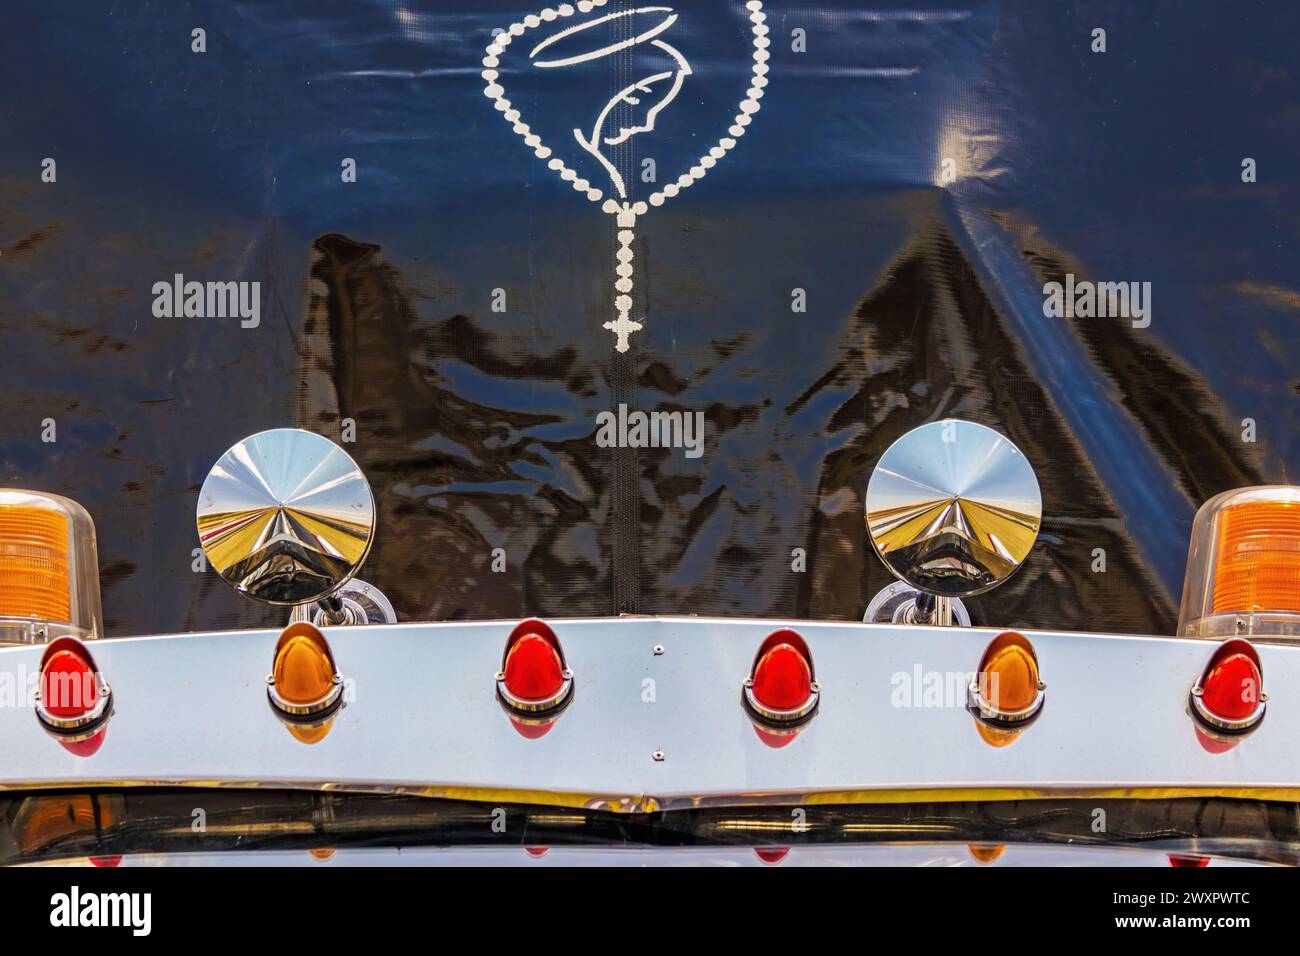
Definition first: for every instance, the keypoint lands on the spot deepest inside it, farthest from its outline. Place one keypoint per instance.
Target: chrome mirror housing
(953, 509)
(286, 517)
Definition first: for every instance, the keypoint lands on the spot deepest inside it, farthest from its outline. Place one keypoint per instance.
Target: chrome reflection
(286, 516)
(953, 508)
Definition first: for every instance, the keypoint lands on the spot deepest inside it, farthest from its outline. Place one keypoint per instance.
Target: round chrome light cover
(286, 516)
(953, 508)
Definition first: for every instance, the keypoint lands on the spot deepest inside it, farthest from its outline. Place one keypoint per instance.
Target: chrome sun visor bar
(656, 717)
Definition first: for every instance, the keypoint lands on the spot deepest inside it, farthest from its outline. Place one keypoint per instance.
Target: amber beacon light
(49, 576)
(1243, 566)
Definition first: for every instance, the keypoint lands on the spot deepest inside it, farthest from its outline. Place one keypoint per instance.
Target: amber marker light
(1243, 566)
(1007, 691)
(49, 575)
(781, 693)
(304, 688)
(534, 683)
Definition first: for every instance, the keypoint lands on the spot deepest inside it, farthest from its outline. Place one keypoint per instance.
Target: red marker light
(533, 669)
(776, 739)
(1229, 697)
(782, 679)
(1193, 861)
(781, 692)
(87, 745)
(534, 683)
(771, 855)
(68, 684)
(72, 702)
(1231, 688)
(531, 728)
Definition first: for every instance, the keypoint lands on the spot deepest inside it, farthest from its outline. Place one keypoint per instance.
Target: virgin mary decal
(561, 38)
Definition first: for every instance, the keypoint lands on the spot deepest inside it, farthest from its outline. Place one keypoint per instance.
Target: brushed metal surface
(192, 708)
